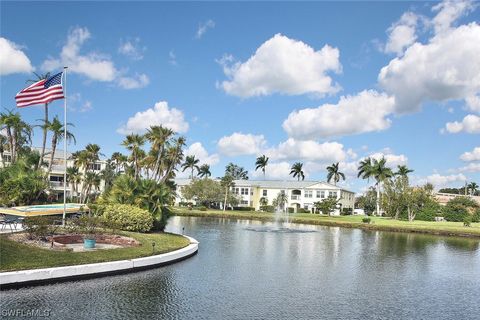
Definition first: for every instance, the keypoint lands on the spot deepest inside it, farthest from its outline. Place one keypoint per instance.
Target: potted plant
(89, 227)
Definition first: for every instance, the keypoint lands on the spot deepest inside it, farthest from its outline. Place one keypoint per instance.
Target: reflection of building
(55, 177)
(300, 194)
(443, 198)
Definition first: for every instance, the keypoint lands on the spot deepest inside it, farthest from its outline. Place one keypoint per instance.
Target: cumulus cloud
(132, 49)
(13, 59)
(446, 68)
(364, 112)
(159, 114)
(93, 65)
(135, 82)
(393, 160)
(274, 170)
(282, 65)
(469, 124)
(473, 155)
(473, 103)
(241, 144)
(440, 181)
(402, 34)
(292, 149)
(471, 167)
(203, 28)
(196, 149)
(448, 12)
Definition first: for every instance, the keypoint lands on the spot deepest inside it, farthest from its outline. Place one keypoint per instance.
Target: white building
(300, 194)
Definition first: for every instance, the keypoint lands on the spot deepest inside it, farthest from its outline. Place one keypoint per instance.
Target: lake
(258, 270)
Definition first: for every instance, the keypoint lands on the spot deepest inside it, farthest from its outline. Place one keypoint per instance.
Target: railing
(295, 197)
(56, 184)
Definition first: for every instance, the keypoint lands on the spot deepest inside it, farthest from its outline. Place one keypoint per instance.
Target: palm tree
(473, 188)
(174, 156)
(93, 154)
(334, 173)
(134, 143)
(403, 171)
(117, 158)
(3, 143)
(297, 171)
(45, 120)
(237, 172)
(380, 172)
(158, 137)
(18, 132)
(74, 177)
(261, 163)
(204, 171)
(365, 168)
(58, 134)
(227, 183)
(190, 163)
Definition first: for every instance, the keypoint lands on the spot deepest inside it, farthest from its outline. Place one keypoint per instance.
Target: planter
(89, 243)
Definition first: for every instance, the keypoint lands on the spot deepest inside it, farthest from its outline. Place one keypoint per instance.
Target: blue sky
(310, 82)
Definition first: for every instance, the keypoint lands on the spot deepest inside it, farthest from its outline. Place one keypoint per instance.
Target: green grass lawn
(17, 256)
(378, 223)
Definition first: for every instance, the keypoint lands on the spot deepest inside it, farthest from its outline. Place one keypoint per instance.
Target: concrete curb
(22, 278)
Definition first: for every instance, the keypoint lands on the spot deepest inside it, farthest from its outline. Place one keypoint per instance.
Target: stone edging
(16, 279)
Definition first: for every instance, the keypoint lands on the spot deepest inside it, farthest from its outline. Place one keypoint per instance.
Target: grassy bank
(378, 223)
(17, 256)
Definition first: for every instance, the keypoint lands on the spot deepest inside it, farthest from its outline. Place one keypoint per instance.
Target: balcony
(56, 184)
(295, 197)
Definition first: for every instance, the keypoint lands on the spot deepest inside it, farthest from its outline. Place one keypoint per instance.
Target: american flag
(43, 91)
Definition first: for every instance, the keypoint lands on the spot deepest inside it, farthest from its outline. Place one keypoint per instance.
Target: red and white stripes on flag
(43, 91)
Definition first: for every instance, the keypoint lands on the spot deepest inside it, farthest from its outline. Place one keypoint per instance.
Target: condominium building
(443, 198)
(56, 175)
(300, 194)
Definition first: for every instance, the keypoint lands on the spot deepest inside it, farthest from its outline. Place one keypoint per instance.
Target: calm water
(251, 270)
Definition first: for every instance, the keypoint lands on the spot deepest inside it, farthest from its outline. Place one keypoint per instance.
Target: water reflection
(247, 269)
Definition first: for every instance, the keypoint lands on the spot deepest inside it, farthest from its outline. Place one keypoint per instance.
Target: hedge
(128, 217)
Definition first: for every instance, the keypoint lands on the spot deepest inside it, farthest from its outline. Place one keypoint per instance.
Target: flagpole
(64, 145)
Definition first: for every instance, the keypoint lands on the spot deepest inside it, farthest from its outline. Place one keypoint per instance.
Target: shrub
(244, 208)
(129, 217)
(267, 208)
(476, 216)
(467, 221)
(40, 227)
(301, 210)
(429, 212)
(347, 211)
(366, 220)
(290, 210)
(455, 212)
(203, 208)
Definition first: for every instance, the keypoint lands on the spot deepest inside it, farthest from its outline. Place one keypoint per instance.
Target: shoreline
(379, 224)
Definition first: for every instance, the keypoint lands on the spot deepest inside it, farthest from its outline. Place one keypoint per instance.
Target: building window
(322, 194)
(264, 193)
(244, 191)
(308, 194)
(7, 158)
(244, 202)
(94, 166)
(333, 194)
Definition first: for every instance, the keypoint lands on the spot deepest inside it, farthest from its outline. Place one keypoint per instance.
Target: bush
(267, 208)
(467, 221)
(455, 212)
(301, 210)
(40, 227)
(429, 212)
(244, 208)
(290, 210)
(476, 216)
(203, 208)
(366, 220)
(347, 211)
(129, 217)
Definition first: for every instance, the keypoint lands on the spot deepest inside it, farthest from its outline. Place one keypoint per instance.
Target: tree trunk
(44, 141)
(378, 198)
(10, 143)
(225, 201)
(52, 155)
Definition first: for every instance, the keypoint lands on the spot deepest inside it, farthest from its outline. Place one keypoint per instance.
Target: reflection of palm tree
(297, 171)
(204, 171)
(190, 163)
(281, 200)
(261, 163)
(334, 173)
(473, 188)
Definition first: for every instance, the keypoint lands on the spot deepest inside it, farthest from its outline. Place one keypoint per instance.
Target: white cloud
(292, 149)
(473, 103)
(241, 144)
(471, 167)
(450, 11)
(402, 33)
(13, 59)
(282, 65)
(440, 181)
(446, 68)
(172, 58)
(138, 81)
(159, 114)
(473, 155)
(274, 170)
(203, 28)
(132, 49)
(364, 112)
(393, 160)
(469, 124)
(196, 149)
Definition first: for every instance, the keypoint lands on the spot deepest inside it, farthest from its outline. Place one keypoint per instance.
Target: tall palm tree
(74, 177)
(45, 120)
(365, 168)
(18, 132)
(190, 163)
(297, 171)
(117, 160)
(134, 143)
(204, 171)
(472, 186)
(58, 134)
(381, 173)
(261, 163)
(237, 172)
(403, 171)
(174, 156)
(158, 137)
(334, 173)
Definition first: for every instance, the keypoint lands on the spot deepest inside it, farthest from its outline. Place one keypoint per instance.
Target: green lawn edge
(378, 223)
(15, 256)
